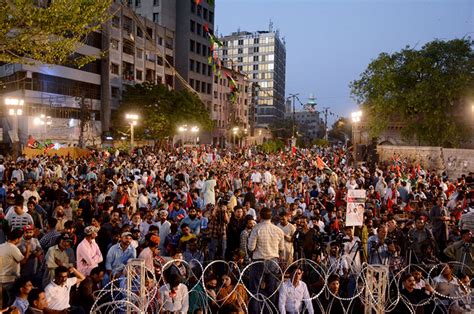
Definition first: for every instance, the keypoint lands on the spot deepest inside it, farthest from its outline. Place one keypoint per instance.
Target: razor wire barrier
(376, 290)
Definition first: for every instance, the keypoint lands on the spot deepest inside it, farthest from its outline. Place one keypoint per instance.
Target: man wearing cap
(119, 254)
(57, 256)
(88, 252)
(30, 267)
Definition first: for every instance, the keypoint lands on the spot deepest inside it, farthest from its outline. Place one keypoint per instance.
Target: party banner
(355, 207)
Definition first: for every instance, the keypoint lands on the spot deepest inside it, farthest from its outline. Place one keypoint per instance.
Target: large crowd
(231, 231)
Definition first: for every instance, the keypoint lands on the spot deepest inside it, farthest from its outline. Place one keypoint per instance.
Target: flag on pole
(189, 200)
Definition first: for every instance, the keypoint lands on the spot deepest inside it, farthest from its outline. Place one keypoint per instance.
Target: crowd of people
(69, 227)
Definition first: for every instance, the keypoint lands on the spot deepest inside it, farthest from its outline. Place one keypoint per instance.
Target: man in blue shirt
(192, 221)
(119, 254)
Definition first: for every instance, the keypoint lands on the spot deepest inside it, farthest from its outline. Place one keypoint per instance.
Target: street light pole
(15, 109)
(356, 116)
(294, 113)
(132, 120)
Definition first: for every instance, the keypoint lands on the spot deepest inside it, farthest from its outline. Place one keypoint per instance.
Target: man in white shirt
(256, 177)
(29, 193)
(165, 228)
(174, 296)
(58, 291)
(267, 242)
(293, 293)
(289, 230)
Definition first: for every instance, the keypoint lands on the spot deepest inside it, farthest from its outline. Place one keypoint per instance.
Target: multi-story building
(261, 56)
(133, 50)
(308, 123)
(226, 114)
(188, 21)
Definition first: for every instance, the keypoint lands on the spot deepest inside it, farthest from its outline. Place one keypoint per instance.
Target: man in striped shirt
(18, 218)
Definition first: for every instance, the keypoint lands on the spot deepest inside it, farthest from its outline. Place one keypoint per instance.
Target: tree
(161, 110)
(341, 130)
(423, 89)
(282, 129)
(48, 31)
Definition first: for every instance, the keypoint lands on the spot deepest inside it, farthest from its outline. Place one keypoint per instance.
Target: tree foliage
(48, 31)
(423, 89)
(161, 110)
(272, 146)
(282, 128)
(341, 130)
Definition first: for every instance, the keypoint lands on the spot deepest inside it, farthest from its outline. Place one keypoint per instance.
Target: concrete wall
(454, 161)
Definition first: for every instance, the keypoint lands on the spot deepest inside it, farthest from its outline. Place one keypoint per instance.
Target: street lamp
(356, 116)
(15, 109)
(132, 120)
(235, 130)
(195, 130)
(43, 120)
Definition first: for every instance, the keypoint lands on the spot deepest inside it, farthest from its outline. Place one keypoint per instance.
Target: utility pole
(84, 119)
(253, 106)
(294, 113)
(326, 123)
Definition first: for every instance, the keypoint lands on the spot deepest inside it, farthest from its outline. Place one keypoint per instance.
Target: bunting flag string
(234, 90)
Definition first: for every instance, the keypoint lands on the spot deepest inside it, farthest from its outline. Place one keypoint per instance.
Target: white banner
(355, 207)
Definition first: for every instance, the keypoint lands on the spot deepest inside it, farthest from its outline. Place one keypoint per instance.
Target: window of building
(128, 47)
(240, 50)
(149, 31)
(255, 49)
(204, 69)
(191, 45)
(240, 59)
(211, 17)
(114, 44)
(204, 13)
(193, 26)
(116, 21)
(193, 6)
(160, 41)
(224, 52)
(199, 29)
(240, 68)
(199, 10)
(159, 60)
(156, 3)
(209, 71)
(170, 60)
(156, 17)
(255, 76)
(203, 87)
(138, 3)
(198, 67)
(198, 48)
(191, 83)
(241, 42)
(139, 75)
(139, 53)
(197, 86)
(204, 51)
(159, 79)
(225, 43)
(256, 40)
(114, 68)
(169, 43)
(127, 25)
(255, 58)
(262, 76)
(215, 95)
(139, 32)
(209, 88)
(191, 65)
(115, 92)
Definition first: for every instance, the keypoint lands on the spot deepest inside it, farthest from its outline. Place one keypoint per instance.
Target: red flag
(206, 27)
(419, 168)
(189, 200)
(295, 174)
(198, 2)
(320, 162)
(293, 150)
(335, 226)
(413, 174)
(148, 181)
(160, 195)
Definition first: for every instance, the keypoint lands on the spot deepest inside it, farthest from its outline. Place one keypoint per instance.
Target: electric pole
(294, 113)
(326, 123)
(253, 106)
